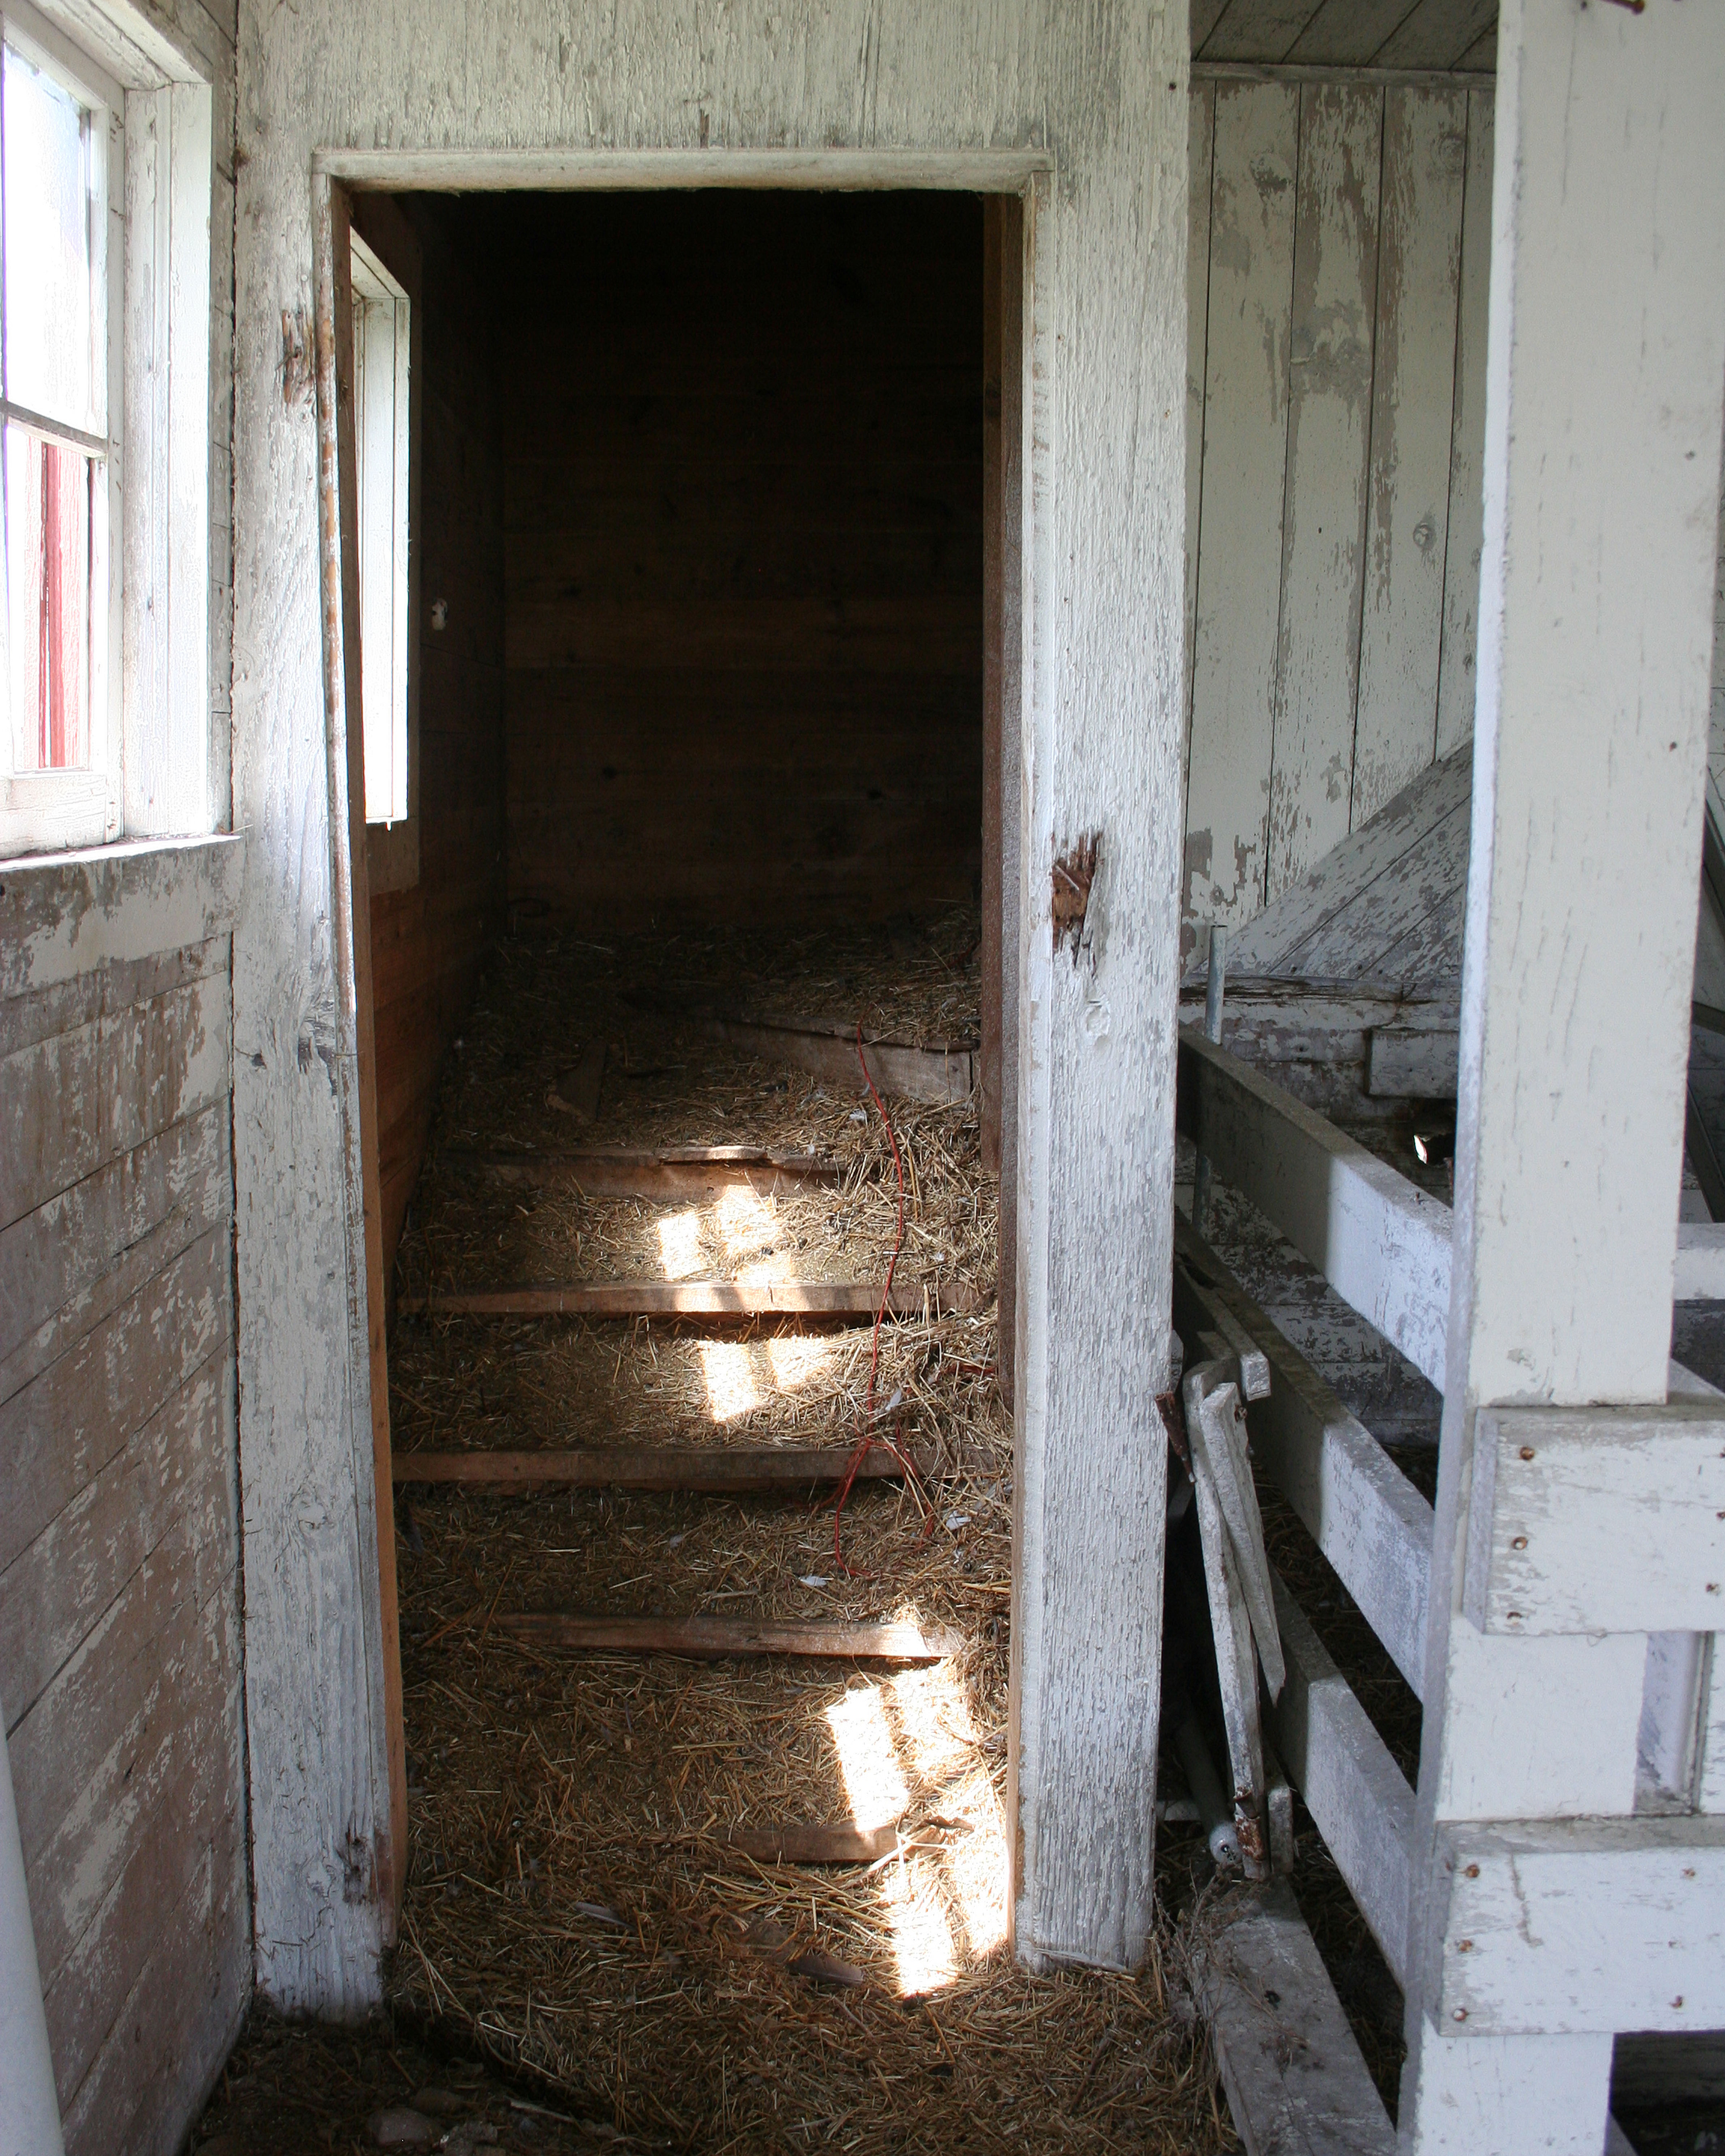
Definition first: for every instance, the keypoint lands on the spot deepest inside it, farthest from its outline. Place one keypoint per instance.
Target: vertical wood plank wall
(745, 636)
(120, 1614)
(1340, 254)
(428, 942)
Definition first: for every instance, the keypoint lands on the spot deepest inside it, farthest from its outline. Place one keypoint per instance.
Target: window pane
(47, 602)
(48, 289)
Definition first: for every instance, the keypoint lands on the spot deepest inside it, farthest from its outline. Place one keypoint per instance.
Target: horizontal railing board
(1383, 1244)
(1359, 1798)
(1368, 1519)
(1579, 1927)
(1699, 1275)
(690, 1299)
(1596, 1520)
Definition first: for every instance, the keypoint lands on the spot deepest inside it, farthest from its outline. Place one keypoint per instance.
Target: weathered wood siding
(745, 553)
(428, 942)
(1333, 499)
(118, 1503)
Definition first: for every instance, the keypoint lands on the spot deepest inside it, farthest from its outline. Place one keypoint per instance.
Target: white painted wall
(1103, 89)
(1341, 246)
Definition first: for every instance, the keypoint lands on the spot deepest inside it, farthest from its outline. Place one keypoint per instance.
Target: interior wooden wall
(1340, 256)
(744, 552)
(428, 942)
(120, 1608)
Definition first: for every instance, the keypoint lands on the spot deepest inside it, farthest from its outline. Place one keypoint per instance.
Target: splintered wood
(708, 1829)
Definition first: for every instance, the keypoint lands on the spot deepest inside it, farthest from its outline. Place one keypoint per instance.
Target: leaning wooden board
(691, 1299)
(715, 1639)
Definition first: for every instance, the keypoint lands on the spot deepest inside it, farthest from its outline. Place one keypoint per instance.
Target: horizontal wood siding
(1333, 518)
(744, 553)
(428, 942)
(118, 1503)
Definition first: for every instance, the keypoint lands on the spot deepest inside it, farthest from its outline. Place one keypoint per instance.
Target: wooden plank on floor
(941, 1073)
(1295, 2082)
(715, 1638)
(692, 1299)
(694, 1467)
(690, 1173)
(810, 1845)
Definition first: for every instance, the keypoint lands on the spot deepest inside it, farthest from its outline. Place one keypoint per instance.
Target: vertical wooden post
(1002, 718)
(1606, 356)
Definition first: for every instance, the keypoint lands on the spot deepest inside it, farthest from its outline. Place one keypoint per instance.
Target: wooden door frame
(1014, 186)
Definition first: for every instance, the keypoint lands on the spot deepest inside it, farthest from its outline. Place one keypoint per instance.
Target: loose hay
(570, 1902)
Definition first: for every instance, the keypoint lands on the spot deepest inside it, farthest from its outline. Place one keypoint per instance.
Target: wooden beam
(791, 1844)
(691, 1299)
(715, 1639)
(1359, 1508)
(1580, 1927)
(1380, 1241)
(704, 1468)
(940, 1073)
(1295, 2081)
(689, 1174)
(1593, 1520)
(1360, 1799)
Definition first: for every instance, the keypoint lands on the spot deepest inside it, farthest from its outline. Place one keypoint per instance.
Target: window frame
(56, 808)
(155, 763)
(382, 237)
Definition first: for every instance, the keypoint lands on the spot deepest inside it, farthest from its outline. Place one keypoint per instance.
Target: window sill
(64, 914)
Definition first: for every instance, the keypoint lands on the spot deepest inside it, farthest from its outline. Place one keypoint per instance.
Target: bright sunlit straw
(867, 1758)
(679, 1245)
(730, 1381)
(939, 1732)
(797, 1356)
(745, 1220)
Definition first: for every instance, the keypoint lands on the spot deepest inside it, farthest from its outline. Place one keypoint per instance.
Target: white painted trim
(1579, 1928)
(966, 172)
(1590, 1520)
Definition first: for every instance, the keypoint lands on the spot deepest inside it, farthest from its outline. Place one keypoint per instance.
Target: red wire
(867, 1441)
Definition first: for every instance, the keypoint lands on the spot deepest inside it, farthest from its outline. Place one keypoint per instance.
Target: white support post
(1606, 356)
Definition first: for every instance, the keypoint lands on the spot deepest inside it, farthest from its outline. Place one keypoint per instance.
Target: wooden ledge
(716, 1638)
(714, 1468)
(63, 915)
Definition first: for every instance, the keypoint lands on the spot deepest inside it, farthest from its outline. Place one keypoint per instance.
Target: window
(105, 177)
(62, 149)
(380, 352)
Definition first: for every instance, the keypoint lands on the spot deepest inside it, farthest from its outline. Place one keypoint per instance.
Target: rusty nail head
(1526, 1452)
(1473, 1872)
(1678, 2000)
(1518, 1542)
(1459, 2014)
(1463, 1946)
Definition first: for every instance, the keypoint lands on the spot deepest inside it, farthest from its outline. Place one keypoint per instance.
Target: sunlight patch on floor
(730, 1389)
(746, 1221)
(922, 1938)
(679, 1245)
(797, 1359)
(868, 1758)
